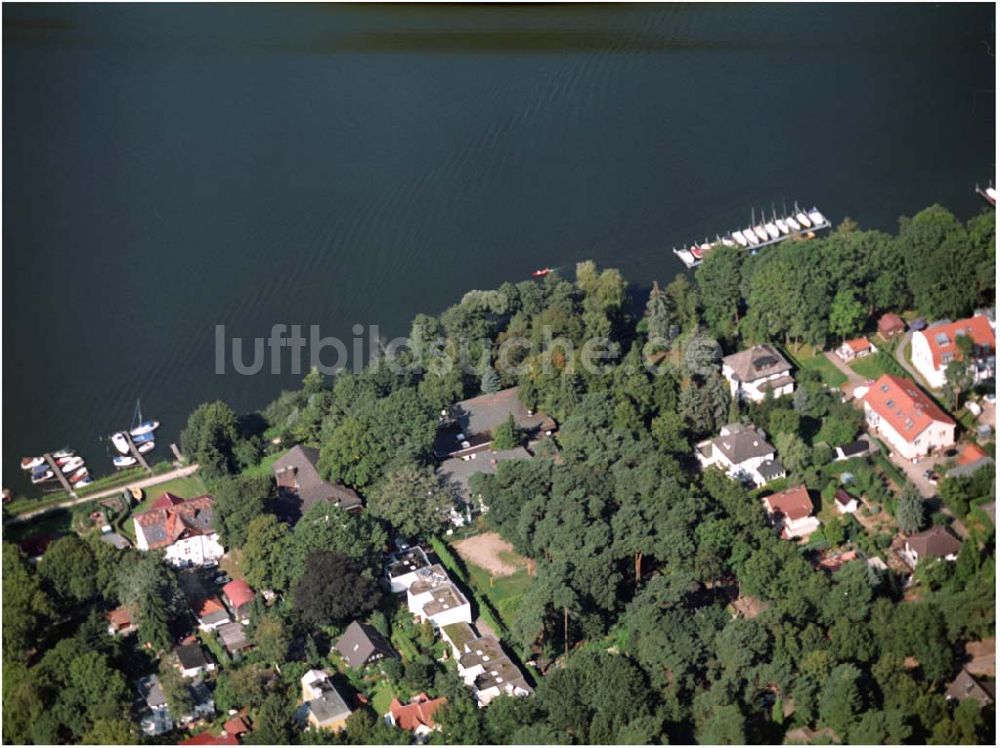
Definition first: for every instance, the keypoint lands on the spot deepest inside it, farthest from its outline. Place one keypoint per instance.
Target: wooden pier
(135, 453)
(59, 474)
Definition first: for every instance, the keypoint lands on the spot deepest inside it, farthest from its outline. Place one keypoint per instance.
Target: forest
(628, 623)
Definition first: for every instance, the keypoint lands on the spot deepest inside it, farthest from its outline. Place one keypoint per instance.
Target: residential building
(184, 529)
(906, 417)
(361, 644)
(890, 325)
(120, 622)
(970, 459)
(855, 348)
(301, 487)
(433, 597)
(791, 512)
(467, 427)
(832, 563)
(325, 707)
(844, 502)
(857, 448)
(238, 597)
(743, 453)
(233, 638)
(417, 716)
(211, 614)
(756, 371)
(966, 687)
(455, 473)
(401, 568)
(238, 725)
(934, 348)
(938, 542)
(483, 665)
(191, 660)
(155, 718)
(209, 738)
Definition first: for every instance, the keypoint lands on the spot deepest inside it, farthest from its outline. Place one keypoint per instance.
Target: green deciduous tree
(210, 437)
(333, 589)
(412, 499)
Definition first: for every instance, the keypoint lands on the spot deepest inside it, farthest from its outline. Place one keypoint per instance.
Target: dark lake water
(170, 168)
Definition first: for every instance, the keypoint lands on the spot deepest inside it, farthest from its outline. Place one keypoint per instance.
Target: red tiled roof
(120, 618)
(978, 328)
(236, 726)
(170, 518)
(904, 406)
(858, 344)
(208, 606)
(793, 503)
(207, 738)
(891, 323)
(419, 712)
(832, 563)
(970, 453)
(238, 593)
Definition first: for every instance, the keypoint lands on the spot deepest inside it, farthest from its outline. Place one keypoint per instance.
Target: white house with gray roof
(433, 597)
(743, 453)
(756, 371)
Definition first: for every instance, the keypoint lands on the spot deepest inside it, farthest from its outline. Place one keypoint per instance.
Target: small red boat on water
(541, 273)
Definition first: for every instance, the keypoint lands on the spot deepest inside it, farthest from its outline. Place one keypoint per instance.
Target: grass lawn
(382, 695)
(185, 488)
(809, 358)
(263, 468)
(504, 593)
(868, 366)
(402, 643)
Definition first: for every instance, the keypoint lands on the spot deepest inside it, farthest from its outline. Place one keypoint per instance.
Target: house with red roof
(120, 622)
(855, 348)
(890, 325)
(211, 614)
(937, 346)
(238, 596)
(906, 417)
(417, 716)
(207, 738)
(970, 459)
(791, 512)
(184, 529)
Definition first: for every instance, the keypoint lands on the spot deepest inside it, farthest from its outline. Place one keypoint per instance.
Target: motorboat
(122, 461)
(120, 442)
(146, 427)
(145, 447)
(71, 465)
(65, 452)
(541, 273)
(42, 476)
(142, 438)
(991, 193)
(695, 251)
(772, 230)
(85, 482)
(726, 242)
(30, 463)
(79, 475)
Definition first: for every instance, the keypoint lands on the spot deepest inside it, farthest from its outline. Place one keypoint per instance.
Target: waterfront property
(937, 346)
(184, 529)
(301, 487)
(757, 371)
(906, 417)
(467, 427)
(455, 473)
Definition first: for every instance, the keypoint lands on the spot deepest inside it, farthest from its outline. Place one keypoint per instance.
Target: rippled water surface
(170, 168)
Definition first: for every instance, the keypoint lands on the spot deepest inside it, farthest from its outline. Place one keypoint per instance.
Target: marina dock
(135, 453)
(799, 224)
(59, 474)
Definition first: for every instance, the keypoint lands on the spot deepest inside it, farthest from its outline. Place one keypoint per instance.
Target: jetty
(59, 474)
(798, 224)
(135, 453)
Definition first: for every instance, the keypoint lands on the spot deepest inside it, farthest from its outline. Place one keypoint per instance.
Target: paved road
(853, 378)
(144, 483)
(904, 362)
